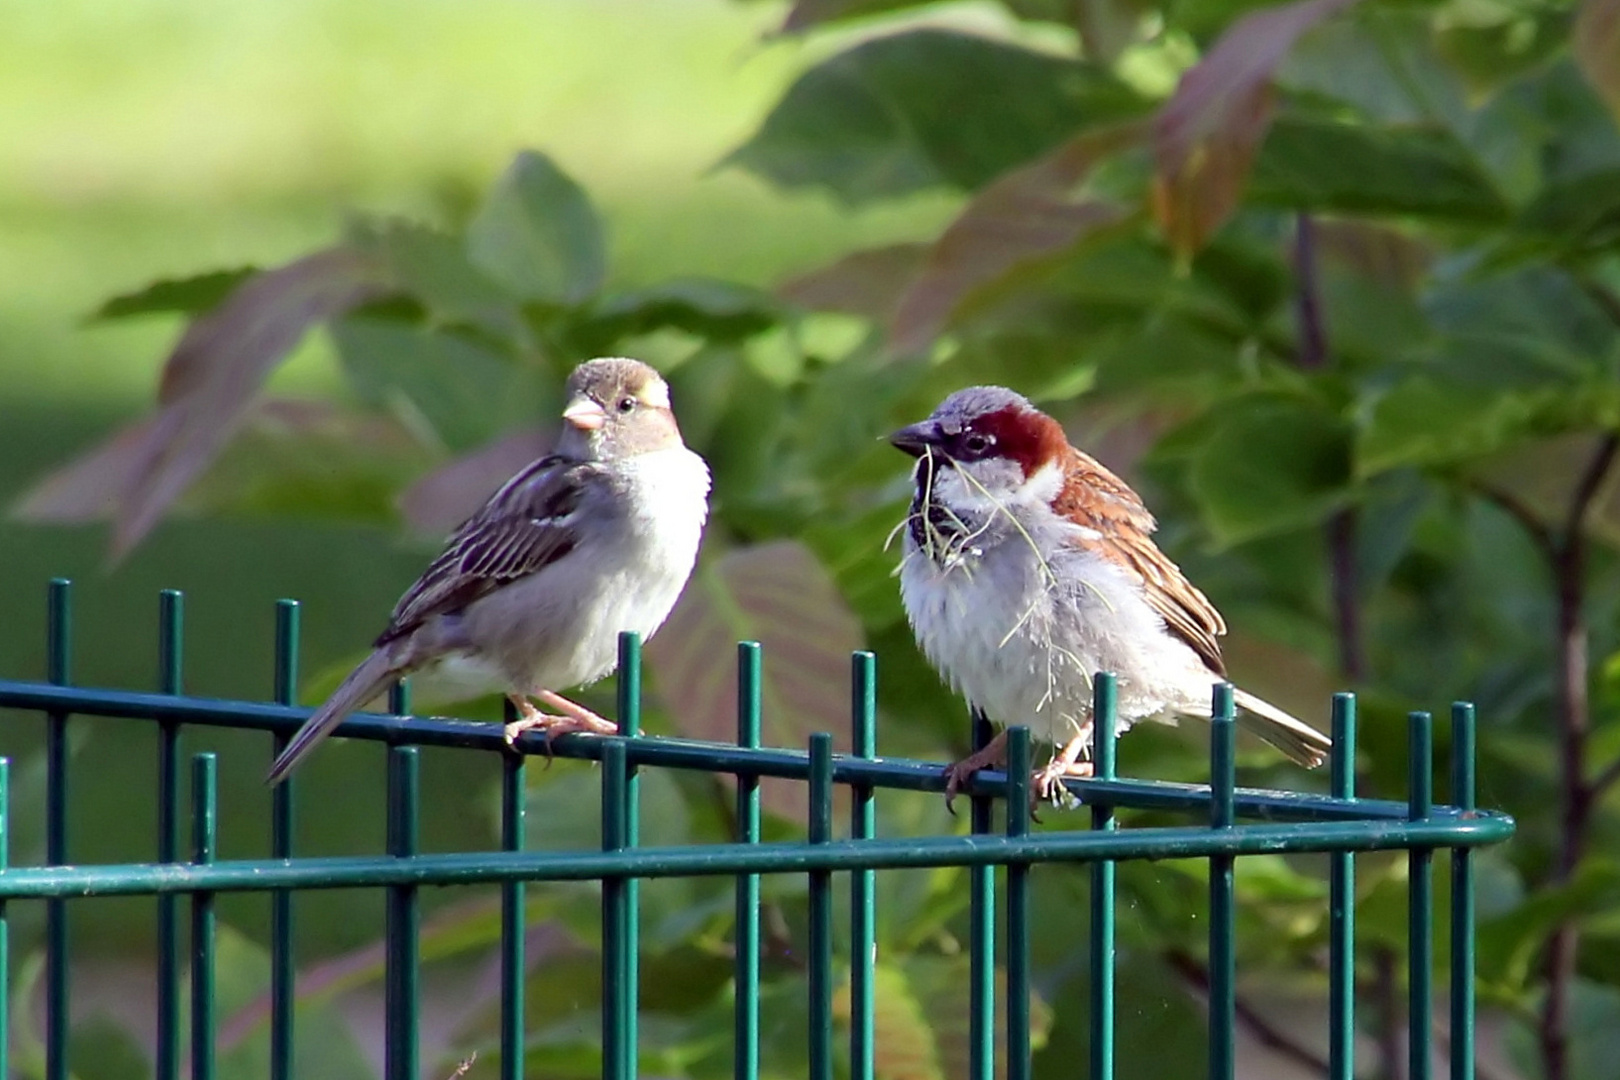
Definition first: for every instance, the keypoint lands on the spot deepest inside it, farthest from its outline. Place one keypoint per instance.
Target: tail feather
(360, 686)
(1302, 743)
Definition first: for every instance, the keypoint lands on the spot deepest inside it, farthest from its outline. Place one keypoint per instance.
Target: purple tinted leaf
(446, 497)
(779, 595)
(207, 385)
(1031, 213)
(867, 283)
(1595, 39)
(1205, 137)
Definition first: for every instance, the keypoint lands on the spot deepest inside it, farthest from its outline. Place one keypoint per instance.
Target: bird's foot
(575, 719)
(1046, 783)
(992, 756)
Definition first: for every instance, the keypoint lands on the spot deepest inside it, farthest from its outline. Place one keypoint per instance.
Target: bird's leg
(573, 718)
(992, 755)
(1047, 781)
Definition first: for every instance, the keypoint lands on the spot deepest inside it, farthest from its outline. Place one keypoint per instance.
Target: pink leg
(1047, 781)
(574, 718)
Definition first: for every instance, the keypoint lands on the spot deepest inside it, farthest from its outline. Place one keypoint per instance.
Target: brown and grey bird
(532, 591)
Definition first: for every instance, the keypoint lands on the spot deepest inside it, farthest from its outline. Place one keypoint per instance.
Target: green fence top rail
(1224, 824)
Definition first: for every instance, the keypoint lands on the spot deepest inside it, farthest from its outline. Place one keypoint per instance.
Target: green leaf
(538, 234)
(188, 296)
(461, 391)
(927, 108)
(1363, 168)
(1271, 463)
(719, 312)
(1427, 420)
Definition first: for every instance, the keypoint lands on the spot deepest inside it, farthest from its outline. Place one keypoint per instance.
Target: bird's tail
(362, 684)
(1302, 743)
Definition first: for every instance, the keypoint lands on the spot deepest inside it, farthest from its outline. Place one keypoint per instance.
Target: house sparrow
(1029, 566)
(532, 591)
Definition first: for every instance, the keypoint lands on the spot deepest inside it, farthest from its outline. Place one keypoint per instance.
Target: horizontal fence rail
(1225, 823)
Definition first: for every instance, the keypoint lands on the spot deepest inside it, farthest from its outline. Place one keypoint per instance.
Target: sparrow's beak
(584, 414)
(917, 439)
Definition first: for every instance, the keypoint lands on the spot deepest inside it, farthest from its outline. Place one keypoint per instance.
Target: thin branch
(1313, 353)
(1603, 781)
(1268, 1034)
(1597, 470)
(1520, 512)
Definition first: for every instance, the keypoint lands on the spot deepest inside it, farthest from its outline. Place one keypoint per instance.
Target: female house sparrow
(532, 591)
(1029, 566)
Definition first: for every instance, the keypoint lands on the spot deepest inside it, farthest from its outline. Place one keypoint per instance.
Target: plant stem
(1577, 794)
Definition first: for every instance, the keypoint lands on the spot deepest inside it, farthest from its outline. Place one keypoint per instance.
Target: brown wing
(1096, 498)
(524, 527)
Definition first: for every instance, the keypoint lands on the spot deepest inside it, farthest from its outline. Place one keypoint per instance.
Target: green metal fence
(1224, 825)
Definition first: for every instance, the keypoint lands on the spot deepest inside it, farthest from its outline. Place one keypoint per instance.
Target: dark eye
(975, 443)
(627, 404)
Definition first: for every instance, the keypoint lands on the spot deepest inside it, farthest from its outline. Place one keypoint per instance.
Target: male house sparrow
(1029, 567)
(532, 591)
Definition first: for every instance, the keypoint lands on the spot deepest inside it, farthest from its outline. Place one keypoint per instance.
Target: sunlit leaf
(538, 234)
(1031, 213)
(776, 594)
(927, 108)
(902, 1036)
(1206, 135)
(1595, 40)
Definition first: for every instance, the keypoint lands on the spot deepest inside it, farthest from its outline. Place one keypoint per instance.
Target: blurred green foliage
(1336, 282)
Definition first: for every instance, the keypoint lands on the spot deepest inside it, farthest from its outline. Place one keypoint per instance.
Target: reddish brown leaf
(447, 496)
(210, 379)
(1381, 254)
(1206, 135)
(1030, 213)
(1595, 39)
(867, 283)
(779, 595)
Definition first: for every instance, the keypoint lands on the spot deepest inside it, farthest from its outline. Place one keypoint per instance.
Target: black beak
(917, 439)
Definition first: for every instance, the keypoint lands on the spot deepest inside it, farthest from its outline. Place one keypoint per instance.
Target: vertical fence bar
(982, 934)
(618, 1056)
(403, 921)
(862, 883)
(820, 933)
(204, 849)
(745, 1040)
(1342, 905)
(283, 973)
(514, 798)
(5, 921)
(171, 616)
(1462, 898)
(1102, 886)
(1420, 901)
(1222, 909)
(59, 670)
(1018, 1045)
(629, 702)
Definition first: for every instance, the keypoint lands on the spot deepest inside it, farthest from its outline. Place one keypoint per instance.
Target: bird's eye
(627, 404)
(976, 443)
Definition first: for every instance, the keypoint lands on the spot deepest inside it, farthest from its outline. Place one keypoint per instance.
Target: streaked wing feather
(521, 529)
(1104, 503)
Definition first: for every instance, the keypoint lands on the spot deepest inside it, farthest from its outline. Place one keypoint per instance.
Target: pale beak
(584, 414)
(917, 439)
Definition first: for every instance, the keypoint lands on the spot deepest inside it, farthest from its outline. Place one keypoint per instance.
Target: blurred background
(1334, 284)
